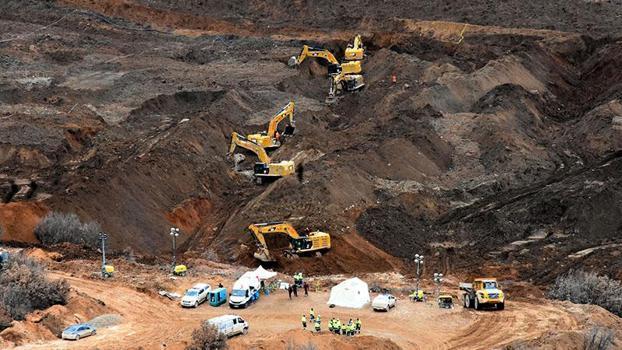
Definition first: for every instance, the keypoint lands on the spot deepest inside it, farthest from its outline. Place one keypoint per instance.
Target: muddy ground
(495, 153)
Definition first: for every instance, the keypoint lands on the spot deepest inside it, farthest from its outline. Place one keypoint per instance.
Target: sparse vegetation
(207, 337)
(599, 338)
(60, 227)
(582, 287)
(25, 288)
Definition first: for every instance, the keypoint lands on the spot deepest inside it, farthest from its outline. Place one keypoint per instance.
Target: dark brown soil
(121, 111)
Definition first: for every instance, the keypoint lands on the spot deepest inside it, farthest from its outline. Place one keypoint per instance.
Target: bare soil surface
(496, 150)
(149, 321)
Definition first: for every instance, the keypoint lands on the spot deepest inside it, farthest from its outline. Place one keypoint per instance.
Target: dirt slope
(496, 149)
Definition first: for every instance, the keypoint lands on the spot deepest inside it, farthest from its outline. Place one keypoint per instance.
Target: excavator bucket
(289, 130)
(263, 255)
(331, 99)
(293, 61)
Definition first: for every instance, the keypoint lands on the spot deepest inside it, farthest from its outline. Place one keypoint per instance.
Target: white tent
(264, 274)
(352, 293)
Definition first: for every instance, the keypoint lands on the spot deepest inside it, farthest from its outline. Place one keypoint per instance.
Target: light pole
(419, 264)
(438, 279)
(174, 234)
(103, 237)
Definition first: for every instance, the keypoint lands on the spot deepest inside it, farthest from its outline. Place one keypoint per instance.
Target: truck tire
(501, 306)
(477, 306)
(467, 301)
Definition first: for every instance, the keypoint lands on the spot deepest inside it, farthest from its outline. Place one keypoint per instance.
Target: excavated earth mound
(487, 146)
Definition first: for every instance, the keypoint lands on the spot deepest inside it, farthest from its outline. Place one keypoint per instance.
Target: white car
(383, 302)
(77, 331)
(230, 325)
(196, 295)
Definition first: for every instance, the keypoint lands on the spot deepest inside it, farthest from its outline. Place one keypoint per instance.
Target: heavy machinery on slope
(272, 138)
(355, 51)
(316, 241)
(343, 76)
(264, 169)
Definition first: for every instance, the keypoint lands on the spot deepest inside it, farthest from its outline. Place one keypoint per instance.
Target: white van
(242, 294)
(196, 295)
(229, 325)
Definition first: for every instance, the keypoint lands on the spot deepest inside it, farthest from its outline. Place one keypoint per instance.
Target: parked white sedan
(77, 331)
(383, 302)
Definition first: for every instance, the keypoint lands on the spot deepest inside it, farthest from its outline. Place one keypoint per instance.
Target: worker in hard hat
(344, 328)
(312, 314)
(304, 322)
(318, 323)
(337, 326)
(357, 325)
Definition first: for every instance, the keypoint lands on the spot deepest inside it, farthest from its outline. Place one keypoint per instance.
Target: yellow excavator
(271, 138)
(355, 51)
(316, 241)
(264, 168)
(343, 76)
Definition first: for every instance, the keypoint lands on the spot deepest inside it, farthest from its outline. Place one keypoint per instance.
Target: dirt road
(157, 323)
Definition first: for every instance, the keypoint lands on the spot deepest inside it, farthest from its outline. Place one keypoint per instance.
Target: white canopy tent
(264, 274)
(352, 293)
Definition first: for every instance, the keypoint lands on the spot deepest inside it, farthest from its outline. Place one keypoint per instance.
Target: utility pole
(103, 237)
(419, 264)
(438, 279)
(174, 234)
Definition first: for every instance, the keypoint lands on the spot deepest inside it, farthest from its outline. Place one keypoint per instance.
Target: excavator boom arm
(314, 52)
(239, 140)
(286, 112)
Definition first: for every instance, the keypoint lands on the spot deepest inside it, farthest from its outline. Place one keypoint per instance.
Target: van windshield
(238, 293)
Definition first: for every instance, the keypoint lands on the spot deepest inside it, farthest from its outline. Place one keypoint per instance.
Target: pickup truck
(196, 295)
(483, 292)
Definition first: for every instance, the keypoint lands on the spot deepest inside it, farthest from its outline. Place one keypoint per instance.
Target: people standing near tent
(343, 328)
(304, 322)
(295, 290)
(305, 285)
(318, 324)
(337, 326)
(289, 291)
(357, 325)
(350, 328)
(311, 314)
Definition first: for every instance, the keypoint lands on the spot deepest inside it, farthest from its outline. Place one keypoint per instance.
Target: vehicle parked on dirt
(77, 331)
(483, 292)
(230, 325)
(218, 296)
(195, 295)
(383, 302)
(445, 301)
(244, 292)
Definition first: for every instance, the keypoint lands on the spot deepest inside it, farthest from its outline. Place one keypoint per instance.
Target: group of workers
(298, 283)
(351, 328)
(334, 325)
